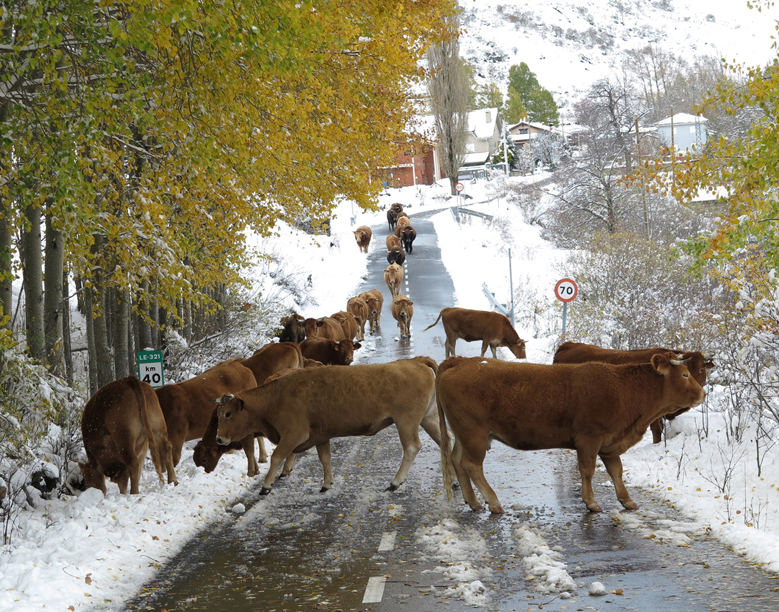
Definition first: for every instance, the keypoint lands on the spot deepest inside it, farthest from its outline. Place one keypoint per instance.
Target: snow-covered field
(89, 552)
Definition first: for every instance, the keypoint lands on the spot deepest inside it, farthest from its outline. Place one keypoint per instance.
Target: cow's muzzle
(222, 441)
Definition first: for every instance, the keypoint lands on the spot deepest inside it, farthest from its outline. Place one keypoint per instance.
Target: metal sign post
(566, 291)
(459, 188)
(150, 368)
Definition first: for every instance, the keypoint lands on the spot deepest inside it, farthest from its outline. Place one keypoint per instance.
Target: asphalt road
(358, 547)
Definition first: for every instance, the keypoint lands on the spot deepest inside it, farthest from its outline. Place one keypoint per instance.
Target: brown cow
(597, 409)
(492, 328)
(120, 422)
(363, 237)
(393, 276)
(324, 327)
(393, 242)
(392, 218)
(375, 301)
(263, 363)
(188, 405)
(578, 352)
(396, 256)
(329, 352)
(402, 311)
(407, 235)
(292, 329)
(397, 207)
(348, 323)
(359, 309)
(309, 407)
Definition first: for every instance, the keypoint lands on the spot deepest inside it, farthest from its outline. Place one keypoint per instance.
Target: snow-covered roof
(472, 159)
(482, 122)
(683, 119)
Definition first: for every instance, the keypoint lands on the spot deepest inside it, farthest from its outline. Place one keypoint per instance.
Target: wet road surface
(358, 547)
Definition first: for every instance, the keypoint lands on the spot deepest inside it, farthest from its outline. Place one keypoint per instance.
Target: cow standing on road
(308, 407)
(492, 328)
(393, 276)
(363, 237)
(402, 312)
(597, 409)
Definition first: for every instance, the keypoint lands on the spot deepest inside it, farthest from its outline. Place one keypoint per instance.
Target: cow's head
(233, 420)
(345, 350)
(206, 456)
(93, 476)
(681, 388)
(698, 363)
(518, 348)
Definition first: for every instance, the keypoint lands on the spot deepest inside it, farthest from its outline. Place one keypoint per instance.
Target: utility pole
(643, 181)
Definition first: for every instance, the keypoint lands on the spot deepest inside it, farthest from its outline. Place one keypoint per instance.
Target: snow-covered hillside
(570, 44)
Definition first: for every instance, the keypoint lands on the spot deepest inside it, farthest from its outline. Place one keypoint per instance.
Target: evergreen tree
(537, 102)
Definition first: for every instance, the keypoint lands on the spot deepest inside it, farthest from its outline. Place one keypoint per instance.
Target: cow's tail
(144, 414)
(430, 363)
(447, 468)
(435, 323)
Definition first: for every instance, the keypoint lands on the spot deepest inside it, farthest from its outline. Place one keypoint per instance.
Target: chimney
(488, 116)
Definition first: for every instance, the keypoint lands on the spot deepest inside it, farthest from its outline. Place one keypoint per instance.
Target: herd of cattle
(303, 391)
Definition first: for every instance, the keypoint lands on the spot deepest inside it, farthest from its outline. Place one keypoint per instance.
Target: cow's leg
(283, 450)
(472, 461)
(586, 457)
(263, 452)
(166, 455)
(323, 450)
(613, 465)
(409, 439)
(469, 495)
(248, 448)
(657, 430)
(289, 464)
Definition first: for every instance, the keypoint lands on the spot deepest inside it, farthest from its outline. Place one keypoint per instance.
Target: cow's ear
(410, 303)
(661, 363)
(238, 403)
(357, 345)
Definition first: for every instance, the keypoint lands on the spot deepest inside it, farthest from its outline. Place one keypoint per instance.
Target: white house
(483, 137)
(683, 132)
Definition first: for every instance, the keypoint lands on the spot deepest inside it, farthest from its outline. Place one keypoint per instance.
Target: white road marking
(387, 541)
(375, 589)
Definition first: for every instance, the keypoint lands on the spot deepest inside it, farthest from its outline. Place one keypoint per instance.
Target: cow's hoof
(631, 505)
(497, 510)
(476, 507)
(393, 487)
(282, 475)
(594, 507)
(264, 490)
(455, 486)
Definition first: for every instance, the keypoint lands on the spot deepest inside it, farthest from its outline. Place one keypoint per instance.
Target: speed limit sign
(459, 187)
(566, 290)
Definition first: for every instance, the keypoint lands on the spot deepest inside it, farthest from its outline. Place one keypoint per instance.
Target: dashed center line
(375, 590)
(387, 541)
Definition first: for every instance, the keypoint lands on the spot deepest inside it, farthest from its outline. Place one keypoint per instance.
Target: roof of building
(482, 122)
(683, 119)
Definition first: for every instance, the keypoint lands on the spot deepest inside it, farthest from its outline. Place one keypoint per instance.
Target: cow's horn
(679, 361)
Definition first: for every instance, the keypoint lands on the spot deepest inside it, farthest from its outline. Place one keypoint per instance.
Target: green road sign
(150, 367)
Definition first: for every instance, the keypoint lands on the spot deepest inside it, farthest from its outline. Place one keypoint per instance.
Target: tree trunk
(6, 269)
(52, 302)
(104, 363)
(32, 262)
(91, 350)
(121, 330)
(66, 341)
(144, 328)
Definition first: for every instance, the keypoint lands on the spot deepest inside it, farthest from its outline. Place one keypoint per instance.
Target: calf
(597, 409)
(188, 405)
(578, 352)
(402, 311)
(492, 328)
(329, 352)
(393, 276)
(121, 421)
(363, 237)
(375, 301)
(263, 363)
(309, 407)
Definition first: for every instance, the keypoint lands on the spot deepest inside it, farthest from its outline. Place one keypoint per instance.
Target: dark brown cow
(329, 352)
(309, 407)
(578, 352)
(359, 310)
(407, 235)
(121, 421)
(363, 237)
(188, 405)
(492, 328)
(375, 301)
(402, 311)
(324, 327)
(597, 409)
(292, 329)
(396, 256)
(393, 276)
(392, 218)
(348, 323)
(265, 362)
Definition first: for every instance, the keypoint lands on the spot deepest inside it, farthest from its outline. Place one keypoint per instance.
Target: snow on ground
(89, 552)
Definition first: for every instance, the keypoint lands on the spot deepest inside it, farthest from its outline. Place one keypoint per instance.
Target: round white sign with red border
(459, 187)
(566, 290)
